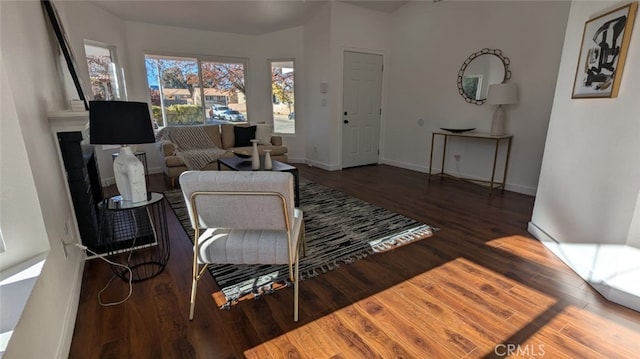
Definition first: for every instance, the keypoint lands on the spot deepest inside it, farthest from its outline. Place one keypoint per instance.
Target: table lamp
(123, 123)
(501, 94)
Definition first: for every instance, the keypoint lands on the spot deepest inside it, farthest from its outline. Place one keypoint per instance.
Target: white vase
(255, 156)
(267, 160)
(129, 175)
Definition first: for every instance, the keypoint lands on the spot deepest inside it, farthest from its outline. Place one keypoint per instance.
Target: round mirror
(483, 68)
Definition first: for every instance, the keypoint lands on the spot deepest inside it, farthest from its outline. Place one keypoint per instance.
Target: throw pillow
(244, 135)
(228, 138)
(263, 134)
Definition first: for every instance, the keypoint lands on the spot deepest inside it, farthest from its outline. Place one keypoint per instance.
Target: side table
(136, 235)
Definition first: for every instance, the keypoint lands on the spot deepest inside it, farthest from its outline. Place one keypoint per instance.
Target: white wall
(423, 51)
(336, 27)
(29, 56)
(430, 43)
(353, 29)
(587, 207)
(104, 28)
(17, 190)
(317, 41)
(590, 177)
(284, 44)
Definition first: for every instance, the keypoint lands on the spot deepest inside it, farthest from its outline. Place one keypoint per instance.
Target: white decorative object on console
(501, 94)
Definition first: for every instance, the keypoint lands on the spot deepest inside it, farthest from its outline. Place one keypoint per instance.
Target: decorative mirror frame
(497, 52)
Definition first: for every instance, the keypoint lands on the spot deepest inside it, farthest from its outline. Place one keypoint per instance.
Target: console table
(493, 182)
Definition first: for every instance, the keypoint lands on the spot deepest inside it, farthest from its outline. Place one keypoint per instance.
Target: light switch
(324, 87)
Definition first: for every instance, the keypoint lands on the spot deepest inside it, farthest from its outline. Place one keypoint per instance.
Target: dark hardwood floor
(479, 287)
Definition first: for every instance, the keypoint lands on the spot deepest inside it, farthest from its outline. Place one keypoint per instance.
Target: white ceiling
(239, 16)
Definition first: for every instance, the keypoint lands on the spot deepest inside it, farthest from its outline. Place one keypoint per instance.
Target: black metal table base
(136, 236)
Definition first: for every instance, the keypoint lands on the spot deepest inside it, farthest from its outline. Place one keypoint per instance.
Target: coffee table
(244, 164)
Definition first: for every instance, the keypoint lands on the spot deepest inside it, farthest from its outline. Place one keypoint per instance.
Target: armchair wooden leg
(303, 237)
(296, 287)
(194, 289)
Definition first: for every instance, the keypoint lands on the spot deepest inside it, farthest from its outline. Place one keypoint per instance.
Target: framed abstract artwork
(605, 42)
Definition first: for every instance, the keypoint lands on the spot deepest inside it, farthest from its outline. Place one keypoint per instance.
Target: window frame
(270, 62)
(199, 59)
(120, 90)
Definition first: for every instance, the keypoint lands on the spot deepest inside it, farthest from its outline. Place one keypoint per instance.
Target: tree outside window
(283, 96)
(185, 91)
(103, 72)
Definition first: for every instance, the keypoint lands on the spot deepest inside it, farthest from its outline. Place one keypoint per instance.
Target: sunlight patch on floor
(488, 305)
(566, 332)
(457, 309)
(530, 249)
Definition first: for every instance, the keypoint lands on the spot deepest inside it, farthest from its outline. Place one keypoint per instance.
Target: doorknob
(345, 113)
(346, 121)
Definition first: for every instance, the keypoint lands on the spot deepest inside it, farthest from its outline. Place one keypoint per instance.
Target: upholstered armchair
(243, 218)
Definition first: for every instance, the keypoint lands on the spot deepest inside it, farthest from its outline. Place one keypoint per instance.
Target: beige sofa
(224, 137)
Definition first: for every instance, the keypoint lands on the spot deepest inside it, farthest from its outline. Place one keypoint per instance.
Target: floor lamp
(123, 123)
(501, 94)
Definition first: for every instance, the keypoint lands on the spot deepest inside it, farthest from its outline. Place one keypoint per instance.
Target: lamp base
(497, 125)
(129, 174)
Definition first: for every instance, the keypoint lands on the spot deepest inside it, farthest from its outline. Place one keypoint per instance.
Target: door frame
(340, 109)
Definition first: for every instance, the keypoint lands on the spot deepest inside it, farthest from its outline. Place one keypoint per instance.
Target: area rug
(340, 229)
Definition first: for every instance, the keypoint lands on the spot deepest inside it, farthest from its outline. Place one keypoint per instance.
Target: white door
(362, 84)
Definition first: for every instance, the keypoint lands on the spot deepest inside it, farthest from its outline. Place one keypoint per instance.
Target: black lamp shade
(120, 123)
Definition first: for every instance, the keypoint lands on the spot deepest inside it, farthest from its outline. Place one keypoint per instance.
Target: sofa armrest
(276, 140)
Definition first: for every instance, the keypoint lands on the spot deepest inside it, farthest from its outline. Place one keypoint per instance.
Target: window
(107, 80)
(191, 90)
(283, 96)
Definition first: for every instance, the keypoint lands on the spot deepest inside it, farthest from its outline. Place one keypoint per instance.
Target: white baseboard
(609, 268)
(296, 160)
(404, 165)
(531, 191)
(320, 165)
(540, 234)
(71, 313)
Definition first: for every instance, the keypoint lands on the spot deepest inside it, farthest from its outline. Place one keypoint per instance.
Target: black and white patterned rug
(339, 229)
